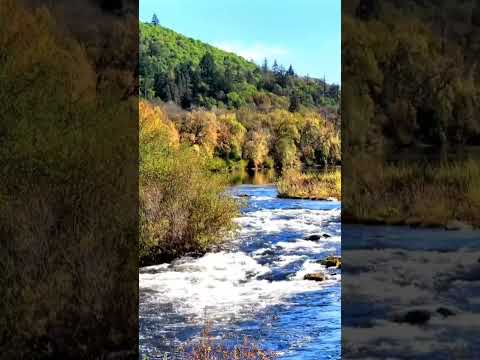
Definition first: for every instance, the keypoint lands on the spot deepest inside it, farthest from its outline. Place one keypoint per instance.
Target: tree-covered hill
(194, 74)
(411, 77)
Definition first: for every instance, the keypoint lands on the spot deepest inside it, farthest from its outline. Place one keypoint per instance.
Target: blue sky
(304, 33)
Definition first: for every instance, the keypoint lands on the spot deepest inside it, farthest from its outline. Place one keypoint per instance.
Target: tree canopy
(191, 73)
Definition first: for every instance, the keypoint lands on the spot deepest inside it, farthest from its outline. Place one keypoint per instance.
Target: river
(254, 285)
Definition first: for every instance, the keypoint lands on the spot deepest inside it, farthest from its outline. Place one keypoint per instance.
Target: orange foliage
(155, 122)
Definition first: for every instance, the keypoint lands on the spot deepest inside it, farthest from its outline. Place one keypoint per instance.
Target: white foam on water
(281, 220)
(313, 246)
(229, 284)
(284, 260)
(310, 267)
(221, 284)
(263, 198)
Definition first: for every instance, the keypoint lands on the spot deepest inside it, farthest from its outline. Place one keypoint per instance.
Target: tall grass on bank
(313, 185)
(411, 193)
(207, 349)
(183, 205)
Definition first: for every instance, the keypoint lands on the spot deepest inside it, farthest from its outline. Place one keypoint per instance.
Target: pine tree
(294, 103)
(290, 71)
(208, 73)
(183, 79)
(275, 67)
(324, 86)
(265, 66)
(155, 20)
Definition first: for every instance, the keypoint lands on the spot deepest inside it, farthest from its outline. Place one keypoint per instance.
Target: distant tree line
(190, 73)
(410, 74)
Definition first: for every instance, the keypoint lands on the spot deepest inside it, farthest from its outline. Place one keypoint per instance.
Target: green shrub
(183, 205)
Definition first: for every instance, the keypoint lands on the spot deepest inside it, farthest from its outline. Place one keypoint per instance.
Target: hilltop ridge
(192, 73)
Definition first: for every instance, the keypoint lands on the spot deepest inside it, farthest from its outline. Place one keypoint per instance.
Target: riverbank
(446, 195)
(254, 285)
(183, 207)
(325, 185)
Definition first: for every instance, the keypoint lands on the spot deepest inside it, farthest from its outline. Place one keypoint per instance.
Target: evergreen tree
(228, 77)
(161, 87)
(208, 73)
(275, 67)
(183, 80)
(265, 66)
(290, 71)
(294, 103)
(155, 20)
(281, 76)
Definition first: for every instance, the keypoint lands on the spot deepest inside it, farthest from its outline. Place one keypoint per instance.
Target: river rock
(414, 317)
(268, 252)
(445, 312)
(313, 237)
(456, 225)
(332, 261)
(315, 277)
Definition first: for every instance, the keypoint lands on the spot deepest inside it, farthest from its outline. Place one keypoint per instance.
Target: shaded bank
(446, 194)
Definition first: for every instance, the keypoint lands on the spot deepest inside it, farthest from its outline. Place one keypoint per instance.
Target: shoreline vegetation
(205, 112)
(418, 194)
(207, 347)
(318, 185)
(186, 163)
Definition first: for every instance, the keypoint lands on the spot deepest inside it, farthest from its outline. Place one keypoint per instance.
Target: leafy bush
(183, 205)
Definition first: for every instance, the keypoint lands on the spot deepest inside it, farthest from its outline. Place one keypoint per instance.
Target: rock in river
(414, 317)
(316, 237)
(332, 261)
(315, 277)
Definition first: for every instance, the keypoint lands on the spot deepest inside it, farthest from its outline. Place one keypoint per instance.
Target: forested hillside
(410, 122)
(410, 71)
(234, 112)
(191, 73)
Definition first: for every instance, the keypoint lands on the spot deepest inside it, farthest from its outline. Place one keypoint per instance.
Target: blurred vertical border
(411, 179)
(69, 179)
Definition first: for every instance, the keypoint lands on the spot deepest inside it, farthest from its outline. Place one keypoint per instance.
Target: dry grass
(316, 186)
(206, 349)
(412, 194)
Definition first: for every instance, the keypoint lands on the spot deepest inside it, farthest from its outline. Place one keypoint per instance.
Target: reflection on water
(254, 177)
(245, 176)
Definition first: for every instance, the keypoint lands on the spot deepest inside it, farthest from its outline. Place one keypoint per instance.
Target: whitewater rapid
(255, 284)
